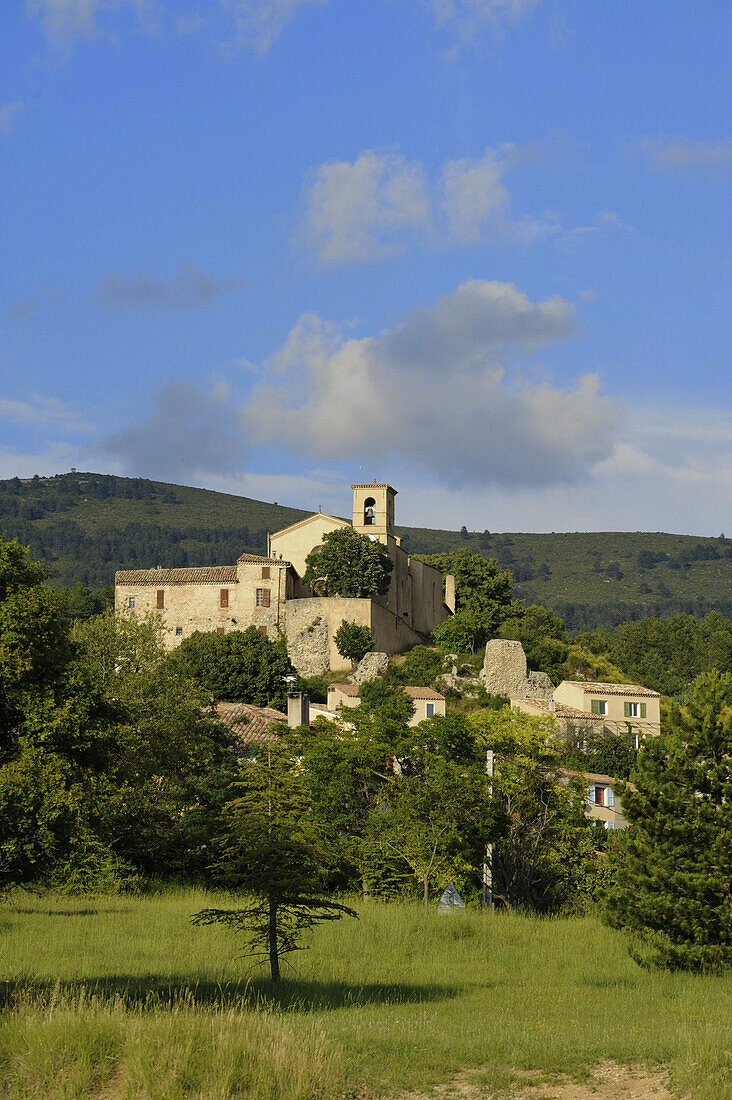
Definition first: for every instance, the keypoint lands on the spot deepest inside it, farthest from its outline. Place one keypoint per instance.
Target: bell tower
(373, 509)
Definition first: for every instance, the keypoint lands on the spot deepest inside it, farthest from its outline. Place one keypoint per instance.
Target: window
(265, 573)
(161, 599)
(632, 710)
(609, 824)
(599, 706)
(429, 709)
(262, 597)
(263, 630)
(598, 796)
(178, 631)
(224, 597)
(369, 512)
(219, 630)
(131, 601)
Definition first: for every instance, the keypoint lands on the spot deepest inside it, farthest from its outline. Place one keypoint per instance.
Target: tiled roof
(250, 723)
(598, 777)
(352, 690)
(561, 710)
(309, 519)
(257, 559)
(159, 578)
(423, 693)
(614, 689)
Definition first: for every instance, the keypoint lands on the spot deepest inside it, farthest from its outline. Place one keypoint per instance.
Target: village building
(427, 702)
(269, 591)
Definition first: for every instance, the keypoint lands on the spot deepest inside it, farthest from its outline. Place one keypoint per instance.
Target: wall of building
(197, 606)
(577, 695)
(428, 602)
(296, 542)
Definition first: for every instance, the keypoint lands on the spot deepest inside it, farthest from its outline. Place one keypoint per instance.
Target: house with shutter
(619, 706)
(269, 592)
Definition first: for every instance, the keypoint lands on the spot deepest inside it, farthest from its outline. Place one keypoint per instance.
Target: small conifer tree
(273, 853)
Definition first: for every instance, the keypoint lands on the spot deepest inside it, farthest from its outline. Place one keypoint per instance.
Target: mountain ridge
(87, 525)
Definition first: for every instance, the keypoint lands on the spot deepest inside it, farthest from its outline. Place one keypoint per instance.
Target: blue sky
(479, 248)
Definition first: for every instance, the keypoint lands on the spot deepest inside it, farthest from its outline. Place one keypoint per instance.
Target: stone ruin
(374, 664)
(505, 672)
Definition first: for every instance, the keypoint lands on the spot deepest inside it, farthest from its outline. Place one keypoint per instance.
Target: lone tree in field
(673, 880)
(271, 852)
(353, 641)
(349, 564)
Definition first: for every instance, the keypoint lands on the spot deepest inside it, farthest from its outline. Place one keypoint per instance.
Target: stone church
(269, 592)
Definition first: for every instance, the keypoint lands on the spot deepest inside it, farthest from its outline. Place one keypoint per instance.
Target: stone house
(269, 591)
(427, 703)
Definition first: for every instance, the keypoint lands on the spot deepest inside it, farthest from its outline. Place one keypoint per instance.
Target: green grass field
(117, 997)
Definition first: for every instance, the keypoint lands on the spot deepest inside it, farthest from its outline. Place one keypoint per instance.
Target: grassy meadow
(123, 997)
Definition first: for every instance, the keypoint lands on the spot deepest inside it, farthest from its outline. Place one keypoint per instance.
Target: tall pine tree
(673, 868)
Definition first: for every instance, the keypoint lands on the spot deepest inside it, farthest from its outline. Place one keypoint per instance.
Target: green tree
(545, 847)
(673, 867)
(240, 666)
(170, 762)
(349, 564)
(433, 820)
(272, 852)
(353, 641)
(463, 632)
(480, 584)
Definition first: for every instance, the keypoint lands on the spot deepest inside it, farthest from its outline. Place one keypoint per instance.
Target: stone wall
(198, 605)
(505, 673)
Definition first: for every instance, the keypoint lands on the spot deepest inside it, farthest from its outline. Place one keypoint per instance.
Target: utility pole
(488, 865)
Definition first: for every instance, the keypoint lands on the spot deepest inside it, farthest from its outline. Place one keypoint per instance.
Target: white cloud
(433, 393)
(359, 210)
(467, 20)
(7, 114)
(472, 195)
(682, 154)
(374, 205)
(41, 411)
(64, 21)
(259, 23)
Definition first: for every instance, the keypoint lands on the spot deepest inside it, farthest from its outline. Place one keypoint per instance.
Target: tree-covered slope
(85, 526)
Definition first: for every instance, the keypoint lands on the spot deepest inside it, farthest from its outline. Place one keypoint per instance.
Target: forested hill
(85, 526)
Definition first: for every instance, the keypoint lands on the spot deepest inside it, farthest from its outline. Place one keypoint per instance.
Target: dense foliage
(241, 666)
(667, 654)
(108, 766)
(349, 564)
(673, 880)
(353, 641)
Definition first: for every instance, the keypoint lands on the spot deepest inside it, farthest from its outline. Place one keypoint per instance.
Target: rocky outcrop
(505, 673)
(374, 664)
(307, 640)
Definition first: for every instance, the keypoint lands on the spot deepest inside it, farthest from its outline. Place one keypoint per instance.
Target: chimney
(298, 709)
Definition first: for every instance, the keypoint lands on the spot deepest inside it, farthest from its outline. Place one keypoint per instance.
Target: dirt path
(609, 1081)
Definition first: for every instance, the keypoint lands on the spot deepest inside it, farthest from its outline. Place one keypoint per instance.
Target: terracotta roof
(423, 693)
(159, 578)
(561, 710)
(257, 559)
(353, 690)
(250, 723)
(614, 689)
